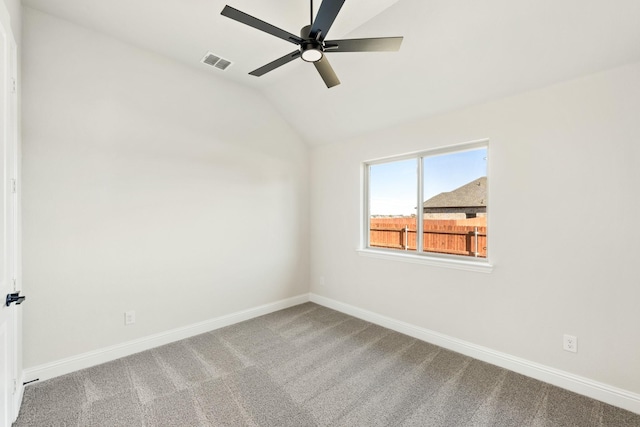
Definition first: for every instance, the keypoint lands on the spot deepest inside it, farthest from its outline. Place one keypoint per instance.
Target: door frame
(11, 172)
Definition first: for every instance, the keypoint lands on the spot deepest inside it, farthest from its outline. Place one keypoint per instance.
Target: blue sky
(393, 185)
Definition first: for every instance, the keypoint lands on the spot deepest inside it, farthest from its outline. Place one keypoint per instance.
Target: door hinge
(15, 386)
(14, 186)
(14, 85)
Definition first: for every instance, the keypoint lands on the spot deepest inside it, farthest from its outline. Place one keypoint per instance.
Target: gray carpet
(306, 366)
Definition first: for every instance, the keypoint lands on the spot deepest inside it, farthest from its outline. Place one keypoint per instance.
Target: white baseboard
(96, 357)
(587, 387)
(584, 386)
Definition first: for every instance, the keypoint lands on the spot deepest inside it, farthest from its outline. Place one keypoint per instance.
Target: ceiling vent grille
(215, 61)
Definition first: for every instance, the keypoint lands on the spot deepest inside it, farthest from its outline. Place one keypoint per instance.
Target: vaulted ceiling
(455, 52)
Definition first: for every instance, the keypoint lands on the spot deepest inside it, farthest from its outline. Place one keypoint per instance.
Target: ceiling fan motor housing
(310, 49)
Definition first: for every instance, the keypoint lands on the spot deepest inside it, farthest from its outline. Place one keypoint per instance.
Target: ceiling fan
(312, 43)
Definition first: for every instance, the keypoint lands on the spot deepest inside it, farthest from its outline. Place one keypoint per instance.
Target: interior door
(9, 389)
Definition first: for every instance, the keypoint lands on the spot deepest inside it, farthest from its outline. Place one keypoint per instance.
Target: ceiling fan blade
(326, 72)
(256, 23)
(324, 19)
(381, 44)
(275, 64)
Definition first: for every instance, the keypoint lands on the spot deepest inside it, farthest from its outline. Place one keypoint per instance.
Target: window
(431, 204)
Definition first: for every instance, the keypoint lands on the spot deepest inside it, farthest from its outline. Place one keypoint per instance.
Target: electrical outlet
(321, 280)
(570, 343)
(129, 317)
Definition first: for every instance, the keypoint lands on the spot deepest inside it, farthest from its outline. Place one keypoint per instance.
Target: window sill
(459, 264)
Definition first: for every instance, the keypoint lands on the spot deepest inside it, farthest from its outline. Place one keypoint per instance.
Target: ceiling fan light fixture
(310, 53)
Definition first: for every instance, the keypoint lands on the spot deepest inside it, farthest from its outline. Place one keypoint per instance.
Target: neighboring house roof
(471, 197)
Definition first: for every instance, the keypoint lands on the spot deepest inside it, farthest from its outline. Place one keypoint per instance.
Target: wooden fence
(440, 236)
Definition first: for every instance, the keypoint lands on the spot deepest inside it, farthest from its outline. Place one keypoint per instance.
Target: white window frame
(420, 257)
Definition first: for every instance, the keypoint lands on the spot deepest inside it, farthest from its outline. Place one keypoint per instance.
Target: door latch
(14, 297)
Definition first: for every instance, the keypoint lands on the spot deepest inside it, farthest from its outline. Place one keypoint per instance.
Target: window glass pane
(393, 189)
(455, 203)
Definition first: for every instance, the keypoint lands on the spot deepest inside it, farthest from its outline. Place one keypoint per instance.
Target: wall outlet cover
(129, 317)
(570, 343)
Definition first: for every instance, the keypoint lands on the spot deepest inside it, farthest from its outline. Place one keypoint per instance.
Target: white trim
(107, 354)
(10, 145)
(458, 147)
(459, 264)
(17, 397)
(581, 385)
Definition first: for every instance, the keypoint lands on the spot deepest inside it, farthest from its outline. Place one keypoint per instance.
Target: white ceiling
(455, 52)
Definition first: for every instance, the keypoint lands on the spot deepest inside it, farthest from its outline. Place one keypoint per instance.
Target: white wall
(148, 186)
(563, 224)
